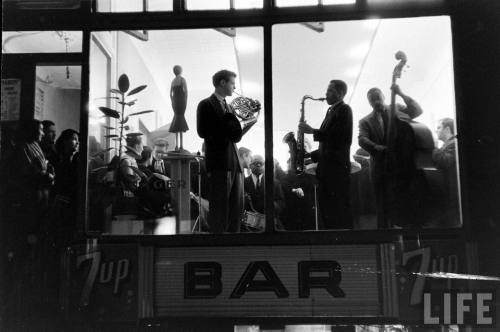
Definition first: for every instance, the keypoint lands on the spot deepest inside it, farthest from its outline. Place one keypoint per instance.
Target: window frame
(90, 21)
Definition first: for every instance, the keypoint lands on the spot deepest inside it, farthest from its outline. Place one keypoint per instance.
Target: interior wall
(62, 106)
(132, 63)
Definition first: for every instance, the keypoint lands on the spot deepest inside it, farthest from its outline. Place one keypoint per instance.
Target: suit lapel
(216, 104)
(329, 116)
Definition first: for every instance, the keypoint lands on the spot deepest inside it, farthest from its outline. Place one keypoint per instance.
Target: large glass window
(145, 153)
(367, 166)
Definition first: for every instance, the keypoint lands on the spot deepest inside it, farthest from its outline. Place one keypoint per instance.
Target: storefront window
(145, 152)
(356, 174)
(115, 6)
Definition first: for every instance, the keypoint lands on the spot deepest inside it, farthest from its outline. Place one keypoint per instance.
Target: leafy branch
(122, 94)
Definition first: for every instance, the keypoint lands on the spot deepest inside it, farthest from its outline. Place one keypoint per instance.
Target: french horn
(247, 110)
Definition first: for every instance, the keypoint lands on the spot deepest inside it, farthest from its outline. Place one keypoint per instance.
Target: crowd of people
(43, 188)
(389, 145)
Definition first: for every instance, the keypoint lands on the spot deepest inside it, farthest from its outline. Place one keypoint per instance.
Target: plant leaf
(109, 112)
(130, 103)
(141, 112)
(109, 136)
(115, 91)
(137, 90)
(124, 120)
(110, 128)
(106, 98)
(123, 83)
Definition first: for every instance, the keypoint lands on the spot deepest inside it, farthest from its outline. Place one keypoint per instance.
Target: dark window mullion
(268, 128)
(82, 216)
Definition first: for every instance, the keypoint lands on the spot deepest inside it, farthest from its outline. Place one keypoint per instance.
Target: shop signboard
(270, 281)
(101, 282)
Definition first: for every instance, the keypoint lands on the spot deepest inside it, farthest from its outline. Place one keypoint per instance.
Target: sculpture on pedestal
(178, 97)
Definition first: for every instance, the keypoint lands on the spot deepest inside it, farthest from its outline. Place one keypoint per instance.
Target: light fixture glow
(352, 71)
(359, 51)
(245, 44)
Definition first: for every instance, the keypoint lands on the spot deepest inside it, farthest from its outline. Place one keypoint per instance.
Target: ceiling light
(359, 51)
(352, 71)
(245, 44)
(371, 23)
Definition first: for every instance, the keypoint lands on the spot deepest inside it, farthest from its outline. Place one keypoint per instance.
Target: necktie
(380, 119)
(258, 183)
(226, 108)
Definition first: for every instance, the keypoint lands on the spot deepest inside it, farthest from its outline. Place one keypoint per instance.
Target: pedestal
(181, 187)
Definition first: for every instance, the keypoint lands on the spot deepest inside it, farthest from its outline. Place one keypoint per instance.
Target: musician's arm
(364, 138)
(412, 109)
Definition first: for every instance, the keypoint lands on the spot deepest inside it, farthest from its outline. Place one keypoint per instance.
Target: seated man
(255, 189)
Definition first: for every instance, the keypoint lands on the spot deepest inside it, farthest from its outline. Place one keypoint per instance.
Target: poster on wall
(39, 103)
(11, 99)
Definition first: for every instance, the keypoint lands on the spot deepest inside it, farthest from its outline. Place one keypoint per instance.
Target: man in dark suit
(255, 189)
(392, 164)
(445, 159)
(220, 129)
(334, 166)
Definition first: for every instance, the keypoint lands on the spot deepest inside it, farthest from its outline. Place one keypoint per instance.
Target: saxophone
(296, 146)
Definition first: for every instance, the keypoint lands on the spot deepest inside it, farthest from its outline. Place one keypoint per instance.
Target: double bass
(407, 136)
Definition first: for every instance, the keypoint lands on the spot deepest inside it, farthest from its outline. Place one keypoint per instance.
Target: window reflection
(152, 171)
(398, 171)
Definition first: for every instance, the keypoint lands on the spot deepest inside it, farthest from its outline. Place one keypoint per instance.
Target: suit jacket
(221, 130)
(445, 160)
(335, 138)
(400, 141)
(258, 196)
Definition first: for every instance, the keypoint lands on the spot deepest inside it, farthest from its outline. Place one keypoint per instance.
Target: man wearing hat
(221, 130)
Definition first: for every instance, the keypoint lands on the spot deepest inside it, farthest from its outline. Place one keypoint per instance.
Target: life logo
(114, 272)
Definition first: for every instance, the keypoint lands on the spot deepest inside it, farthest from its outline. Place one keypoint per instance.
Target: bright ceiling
(304, 61)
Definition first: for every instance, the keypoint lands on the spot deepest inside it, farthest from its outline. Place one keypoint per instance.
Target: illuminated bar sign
(306, 281)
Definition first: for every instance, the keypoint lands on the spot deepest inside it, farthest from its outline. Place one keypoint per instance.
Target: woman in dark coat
(66, 184)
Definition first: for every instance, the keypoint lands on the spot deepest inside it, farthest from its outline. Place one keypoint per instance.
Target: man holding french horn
(334, 167)
(218, 125)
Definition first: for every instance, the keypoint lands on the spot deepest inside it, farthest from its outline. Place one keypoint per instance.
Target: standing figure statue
(178, 96)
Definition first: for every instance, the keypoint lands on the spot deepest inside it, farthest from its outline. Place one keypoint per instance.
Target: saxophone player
(333, 171)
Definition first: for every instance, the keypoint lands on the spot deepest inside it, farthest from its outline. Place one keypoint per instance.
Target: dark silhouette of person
(48, 141)
(393, 169)
(178, 97)
(221, 130)
(66, 182)
(334, 166)
(445, 159)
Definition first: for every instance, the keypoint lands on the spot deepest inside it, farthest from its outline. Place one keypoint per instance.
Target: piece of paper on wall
(11, 99)
(39, 103)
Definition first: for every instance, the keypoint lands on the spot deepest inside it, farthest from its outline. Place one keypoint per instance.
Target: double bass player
(392, 165)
